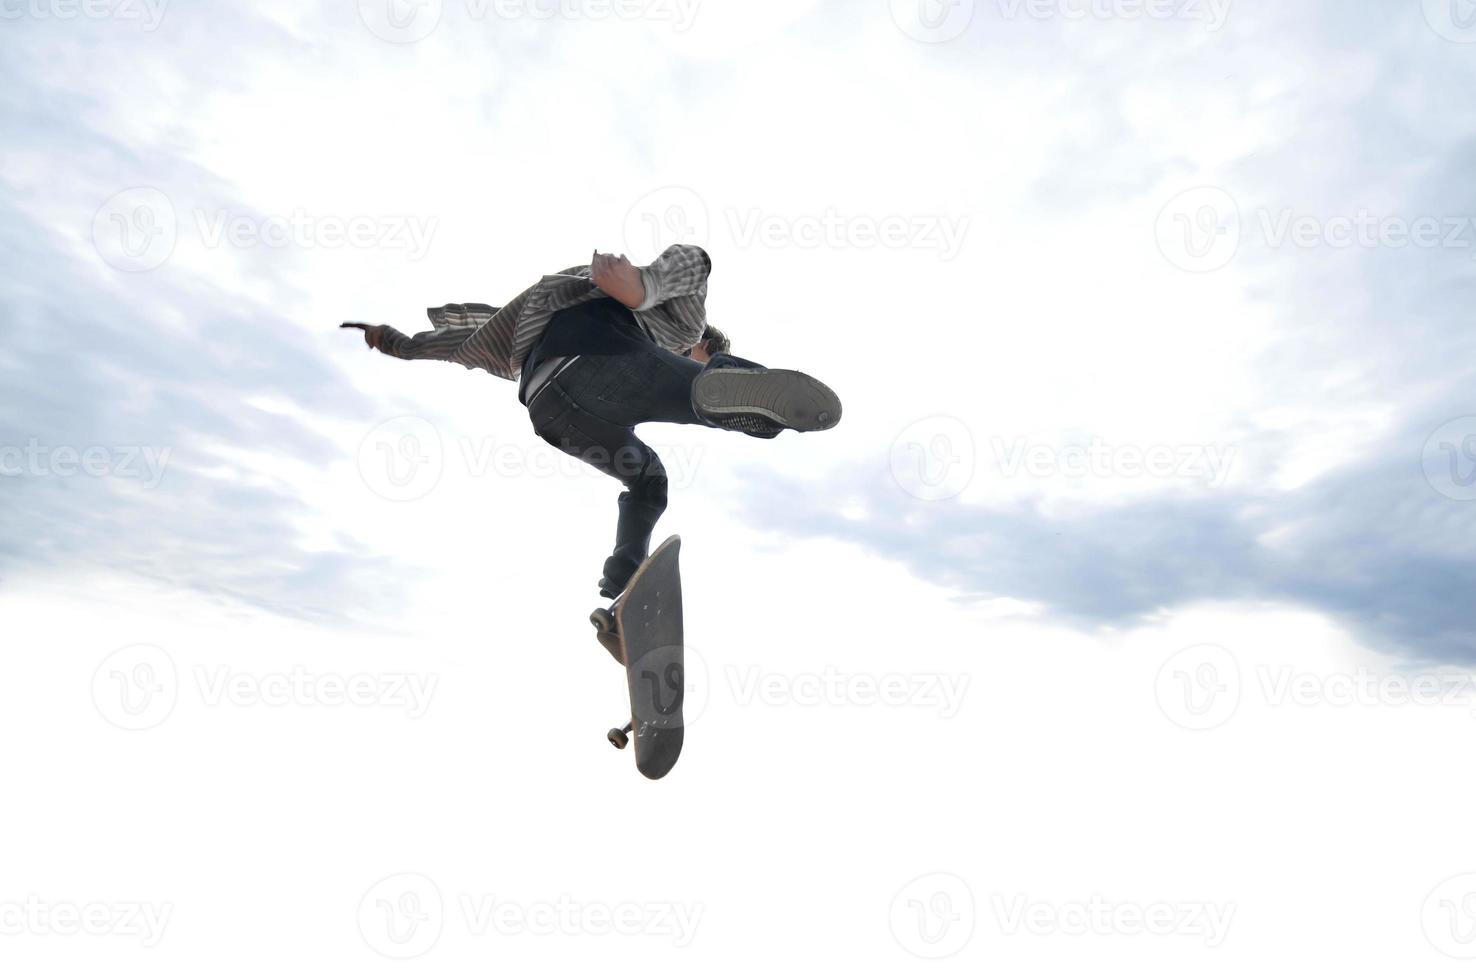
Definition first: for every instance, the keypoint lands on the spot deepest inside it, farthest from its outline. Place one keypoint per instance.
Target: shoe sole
(788, 398)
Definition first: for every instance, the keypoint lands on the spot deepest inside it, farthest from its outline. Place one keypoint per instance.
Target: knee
(653, 484)
(643, 475)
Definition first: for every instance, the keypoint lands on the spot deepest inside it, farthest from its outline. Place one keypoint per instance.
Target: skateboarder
(600, 348)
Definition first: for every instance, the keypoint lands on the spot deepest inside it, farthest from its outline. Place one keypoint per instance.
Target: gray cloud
(1378, 123)
(94, 362)
(1371, 544)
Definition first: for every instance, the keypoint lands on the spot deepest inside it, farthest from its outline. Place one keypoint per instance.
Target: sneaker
(760, 401)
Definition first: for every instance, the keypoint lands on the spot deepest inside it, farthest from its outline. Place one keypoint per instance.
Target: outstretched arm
(439, 345)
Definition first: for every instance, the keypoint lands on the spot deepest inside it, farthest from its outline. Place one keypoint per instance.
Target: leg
(650, 384)
(646, 384)
(614, 450)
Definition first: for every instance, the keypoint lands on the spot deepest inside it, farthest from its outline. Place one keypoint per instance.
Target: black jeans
(590, 411)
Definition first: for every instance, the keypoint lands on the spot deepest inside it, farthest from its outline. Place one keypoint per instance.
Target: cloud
(1377, 544)
(1346, 502)
(126, 415)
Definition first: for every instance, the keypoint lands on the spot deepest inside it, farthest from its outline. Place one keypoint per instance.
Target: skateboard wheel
(617, 738)
(602, 620)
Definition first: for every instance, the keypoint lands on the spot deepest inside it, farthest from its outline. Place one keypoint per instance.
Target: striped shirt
(498, 339)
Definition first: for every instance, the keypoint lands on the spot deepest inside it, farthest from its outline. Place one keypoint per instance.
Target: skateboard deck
(646, 639)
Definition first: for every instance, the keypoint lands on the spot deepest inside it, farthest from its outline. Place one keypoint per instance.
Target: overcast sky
(1138, 573)
(1128, 312)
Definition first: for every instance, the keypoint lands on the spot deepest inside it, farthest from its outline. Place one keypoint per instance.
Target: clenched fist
(617, 278)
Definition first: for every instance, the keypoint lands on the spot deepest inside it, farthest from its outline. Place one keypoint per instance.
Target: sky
(1151, 318)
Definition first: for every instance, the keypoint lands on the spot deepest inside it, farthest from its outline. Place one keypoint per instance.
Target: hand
(618, 279)
(372, 334)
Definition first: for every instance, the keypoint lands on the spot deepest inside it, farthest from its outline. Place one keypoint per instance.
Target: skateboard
(643, 632)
